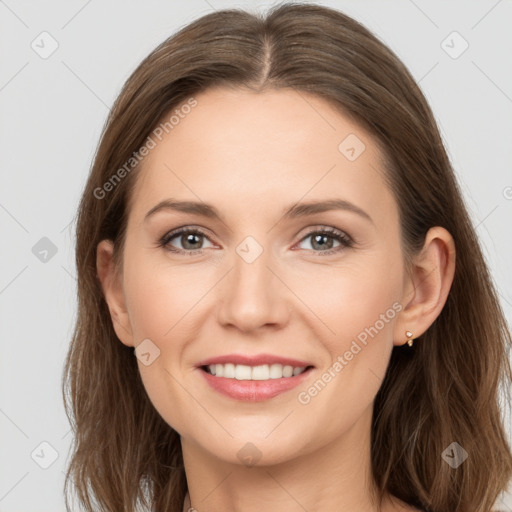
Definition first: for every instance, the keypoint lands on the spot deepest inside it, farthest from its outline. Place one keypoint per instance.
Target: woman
(282, 301)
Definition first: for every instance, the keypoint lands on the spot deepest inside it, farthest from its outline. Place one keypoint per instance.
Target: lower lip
(254, 390)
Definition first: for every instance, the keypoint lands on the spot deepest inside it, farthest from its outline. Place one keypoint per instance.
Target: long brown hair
(443, 390)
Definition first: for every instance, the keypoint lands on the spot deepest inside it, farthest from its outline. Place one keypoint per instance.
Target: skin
(252, 155)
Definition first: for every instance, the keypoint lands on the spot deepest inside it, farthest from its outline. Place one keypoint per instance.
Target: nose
(252, 295)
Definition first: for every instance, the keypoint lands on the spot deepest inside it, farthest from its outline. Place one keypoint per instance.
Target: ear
(426, 288)
(113, 291)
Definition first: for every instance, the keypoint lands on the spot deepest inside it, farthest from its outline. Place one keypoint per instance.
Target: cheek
(352, 297)
(359, 305)
(159, 295)
(160, 302)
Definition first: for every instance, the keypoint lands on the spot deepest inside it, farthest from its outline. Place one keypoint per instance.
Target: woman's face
(258, 281)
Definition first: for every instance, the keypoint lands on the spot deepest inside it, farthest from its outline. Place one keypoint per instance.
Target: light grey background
(53, 110)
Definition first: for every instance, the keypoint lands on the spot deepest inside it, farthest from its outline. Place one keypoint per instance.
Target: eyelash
(345, 241)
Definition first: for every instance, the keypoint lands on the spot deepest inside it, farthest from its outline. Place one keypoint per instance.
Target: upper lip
(256, 360)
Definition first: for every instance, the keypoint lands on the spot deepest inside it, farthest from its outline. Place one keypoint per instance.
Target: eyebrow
(295, 211)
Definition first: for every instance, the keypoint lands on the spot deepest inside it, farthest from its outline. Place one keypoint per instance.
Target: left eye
(321, 238)
(187, 237)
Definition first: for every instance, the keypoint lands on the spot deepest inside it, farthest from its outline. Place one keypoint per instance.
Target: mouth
(256, 373)
(256, 378)
(255, 367)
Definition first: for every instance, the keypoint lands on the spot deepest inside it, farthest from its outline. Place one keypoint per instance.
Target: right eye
(188, 238)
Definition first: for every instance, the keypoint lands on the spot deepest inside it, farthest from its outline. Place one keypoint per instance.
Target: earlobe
(428, 285)
(113, 292)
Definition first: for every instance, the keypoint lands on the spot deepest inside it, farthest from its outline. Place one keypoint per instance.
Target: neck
(335, 477)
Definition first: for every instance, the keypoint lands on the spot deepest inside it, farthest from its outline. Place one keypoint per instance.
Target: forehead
(244, 149)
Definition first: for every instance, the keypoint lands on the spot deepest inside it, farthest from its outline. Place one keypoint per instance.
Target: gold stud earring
(409, 335)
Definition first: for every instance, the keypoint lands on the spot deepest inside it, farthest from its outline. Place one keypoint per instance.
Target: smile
(253, 383)
(261, 372)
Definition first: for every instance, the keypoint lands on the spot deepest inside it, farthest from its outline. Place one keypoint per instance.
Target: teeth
(229, 370)
(242, 372)
(263, 372)
(260, 372)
